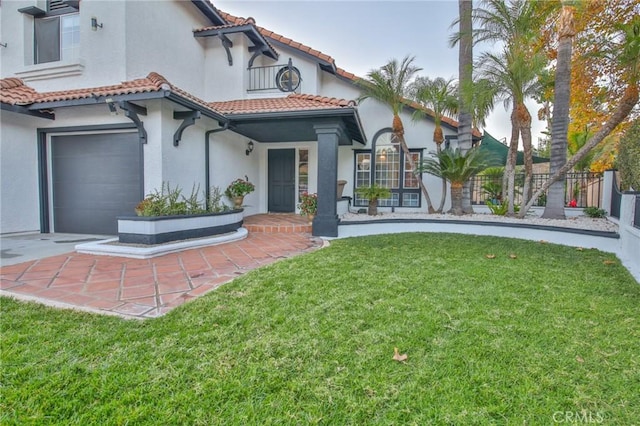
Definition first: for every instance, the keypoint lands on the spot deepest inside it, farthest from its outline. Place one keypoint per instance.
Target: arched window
(388, 167)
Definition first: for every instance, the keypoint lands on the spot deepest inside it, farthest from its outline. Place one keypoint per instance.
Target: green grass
(310, 340)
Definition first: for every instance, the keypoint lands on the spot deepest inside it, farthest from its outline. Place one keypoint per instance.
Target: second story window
(57, 38)
(56, 31)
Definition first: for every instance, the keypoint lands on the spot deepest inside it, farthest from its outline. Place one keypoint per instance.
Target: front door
(282, 180)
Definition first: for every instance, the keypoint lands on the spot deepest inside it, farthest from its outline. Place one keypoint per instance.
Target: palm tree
(465, 77)
(456, 167)
(514, 75)
(514, 72)
(440, 96)
(625, 51)
(390, 85)
(373, 193)
(554, 208)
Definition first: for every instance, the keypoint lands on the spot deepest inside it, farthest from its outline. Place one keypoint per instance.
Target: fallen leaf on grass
(579, 358)
(609, 262)
(513, 256)
(398, 357)
(490, 256)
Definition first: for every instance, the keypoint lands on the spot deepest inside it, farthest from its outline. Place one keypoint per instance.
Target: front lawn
(533, 339)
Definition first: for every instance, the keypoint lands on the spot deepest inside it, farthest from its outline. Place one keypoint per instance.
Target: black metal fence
(284, 77)
(583, 189)
(636, 216)
(616, 199)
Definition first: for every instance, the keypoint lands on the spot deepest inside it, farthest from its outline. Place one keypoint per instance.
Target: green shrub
(629, 158)
(170, 202)
(595, 212)
(501, 209)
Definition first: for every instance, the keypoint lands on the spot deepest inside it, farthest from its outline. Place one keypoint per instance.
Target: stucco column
(325, 223)
(607, 188)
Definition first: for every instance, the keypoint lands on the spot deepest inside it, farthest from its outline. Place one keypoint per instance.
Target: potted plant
(237, 190)
(308, 205)
(373, 193)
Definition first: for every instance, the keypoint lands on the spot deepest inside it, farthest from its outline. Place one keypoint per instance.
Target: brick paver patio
(152, 287)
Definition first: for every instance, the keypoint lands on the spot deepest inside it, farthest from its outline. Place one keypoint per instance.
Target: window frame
(397, 194)
(57, 15)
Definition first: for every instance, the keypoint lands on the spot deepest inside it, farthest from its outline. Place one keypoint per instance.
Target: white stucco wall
(160, 38)
(230, 162)
(225, 82)
(19, 204)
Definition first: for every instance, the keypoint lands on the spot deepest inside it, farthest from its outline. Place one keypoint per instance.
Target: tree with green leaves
(622, 51)
(513, 73)
(390, 85)
(629, 158)
(440, 97)
(456, 167)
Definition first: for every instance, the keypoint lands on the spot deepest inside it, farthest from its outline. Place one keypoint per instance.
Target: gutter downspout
(207, 178)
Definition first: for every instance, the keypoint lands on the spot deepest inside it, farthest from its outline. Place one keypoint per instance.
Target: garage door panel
(108, 169)
(85, 221)
(121, 195)
(95, 179)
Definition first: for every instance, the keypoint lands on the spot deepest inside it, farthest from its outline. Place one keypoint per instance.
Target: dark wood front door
(282, 180)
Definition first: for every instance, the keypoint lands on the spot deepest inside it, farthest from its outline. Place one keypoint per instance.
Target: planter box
(150, 230)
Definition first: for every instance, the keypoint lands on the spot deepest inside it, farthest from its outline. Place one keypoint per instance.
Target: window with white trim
(57, 38)
(303, 172)
(386, 169)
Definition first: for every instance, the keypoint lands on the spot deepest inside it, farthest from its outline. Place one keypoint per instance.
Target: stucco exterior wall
(229, 162)
(160, 38)
(225, 82)
(19, 205)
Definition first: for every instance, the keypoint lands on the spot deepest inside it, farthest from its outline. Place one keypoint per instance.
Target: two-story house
(103, 101)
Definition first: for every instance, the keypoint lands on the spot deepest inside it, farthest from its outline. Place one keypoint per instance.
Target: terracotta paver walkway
(146, 288)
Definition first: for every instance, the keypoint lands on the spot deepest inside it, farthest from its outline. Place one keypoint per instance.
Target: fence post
(607, 183)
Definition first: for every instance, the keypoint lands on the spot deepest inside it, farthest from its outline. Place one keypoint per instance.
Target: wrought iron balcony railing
(283, 77)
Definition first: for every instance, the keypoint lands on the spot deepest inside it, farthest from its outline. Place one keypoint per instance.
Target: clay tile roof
(278, 37)
(152, 83)
(14, 92)
(219, 27)
(291, 103)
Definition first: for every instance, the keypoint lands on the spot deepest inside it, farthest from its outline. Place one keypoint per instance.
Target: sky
(364, 35)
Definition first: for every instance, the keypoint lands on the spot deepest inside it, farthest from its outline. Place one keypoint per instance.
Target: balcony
(282, 77)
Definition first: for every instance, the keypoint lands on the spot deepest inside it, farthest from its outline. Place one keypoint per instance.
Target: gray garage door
(95, 179)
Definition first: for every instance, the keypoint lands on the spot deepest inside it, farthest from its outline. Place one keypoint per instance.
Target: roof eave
(160, 94)
(324, 65)
(24, 110)
(250, 31)
(316, 113)
(99, 99)
(209, 11)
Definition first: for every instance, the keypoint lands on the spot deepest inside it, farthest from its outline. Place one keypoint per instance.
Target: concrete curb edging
(105, 247)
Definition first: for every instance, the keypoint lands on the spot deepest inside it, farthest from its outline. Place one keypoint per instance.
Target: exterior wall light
(94, 24)
(249, 148)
